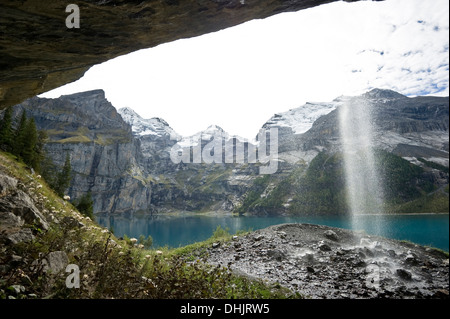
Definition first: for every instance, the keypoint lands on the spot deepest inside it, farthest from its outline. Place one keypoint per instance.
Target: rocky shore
(323, 262)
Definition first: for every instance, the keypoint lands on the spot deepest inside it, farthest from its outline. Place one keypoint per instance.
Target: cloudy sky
(239, 77)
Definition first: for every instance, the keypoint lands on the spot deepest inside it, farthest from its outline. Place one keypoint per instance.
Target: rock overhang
(39, 53)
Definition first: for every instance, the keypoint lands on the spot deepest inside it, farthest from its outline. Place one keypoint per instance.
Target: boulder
(404, 274)
(276, 254)
(323, 246)
(23, 235)
(331, 235)
(7, 184)
(9, 220)
(55, 262)
(22, 206)
(411, 259)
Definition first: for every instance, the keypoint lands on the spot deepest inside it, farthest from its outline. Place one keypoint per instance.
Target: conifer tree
(30, 141)
(19, 138)
(6, 132)
(63, 178)
(85, 205)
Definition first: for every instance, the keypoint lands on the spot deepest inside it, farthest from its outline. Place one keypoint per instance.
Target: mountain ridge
(128, 171)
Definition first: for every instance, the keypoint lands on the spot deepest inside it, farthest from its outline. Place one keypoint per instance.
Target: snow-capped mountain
(212, 131)
(142, 127)
(301, 119)
(131, 159)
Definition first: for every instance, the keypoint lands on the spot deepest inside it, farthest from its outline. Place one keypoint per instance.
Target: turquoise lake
(175, 231)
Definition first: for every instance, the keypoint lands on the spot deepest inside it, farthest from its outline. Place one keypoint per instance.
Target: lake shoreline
(181, 229)
(228, 213)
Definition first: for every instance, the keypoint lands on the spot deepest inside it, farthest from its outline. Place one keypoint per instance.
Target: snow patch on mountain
(301, 119)
(142, 127)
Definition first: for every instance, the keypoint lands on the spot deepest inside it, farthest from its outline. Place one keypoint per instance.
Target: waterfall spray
(363, 182)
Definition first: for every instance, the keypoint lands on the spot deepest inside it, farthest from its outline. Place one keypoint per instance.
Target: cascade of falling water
(363, 182)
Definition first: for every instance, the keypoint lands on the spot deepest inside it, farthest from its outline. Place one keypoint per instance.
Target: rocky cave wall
(39, 53)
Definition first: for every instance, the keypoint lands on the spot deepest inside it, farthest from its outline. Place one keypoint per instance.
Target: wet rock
(258, 237)
(282, 234)
(365, 242)
(323, 246)
(367, 252)
(404, 274)
(331, 235)
(358, 262)
(411, 259)
(276, 254)
(391, 253)
(308, 258)
(377, 270)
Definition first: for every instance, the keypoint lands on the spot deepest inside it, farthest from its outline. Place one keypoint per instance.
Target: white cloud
(239, 77)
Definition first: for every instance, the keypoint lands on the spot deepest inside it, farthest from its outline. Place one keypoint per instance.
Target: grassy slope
(320, 188)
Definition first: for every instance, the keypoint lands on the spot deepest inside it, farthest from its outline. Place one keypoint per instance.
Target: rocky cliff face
(124, 160)
(410, 139)
(102, 149)
(409, 127)
(133, 164)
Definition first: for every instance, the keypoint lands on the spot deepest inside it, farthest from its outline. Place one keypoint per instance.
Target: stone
(326, 275)
(404, 274)
(391, 253)
(331, 235)
(216, 245)
(276, 254)
(9, 220)
(308, 258)
(55, 262)
(411, 259)
(21, 205)
(324, 247)
(365, 242)
(258, 237)
(17, 289)
(7, 184)
(73, 222)
(282, 234)
(23, 235)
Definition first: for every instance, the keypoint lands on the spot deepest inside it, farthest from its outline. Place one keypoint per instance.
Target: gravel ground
(323, 262)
